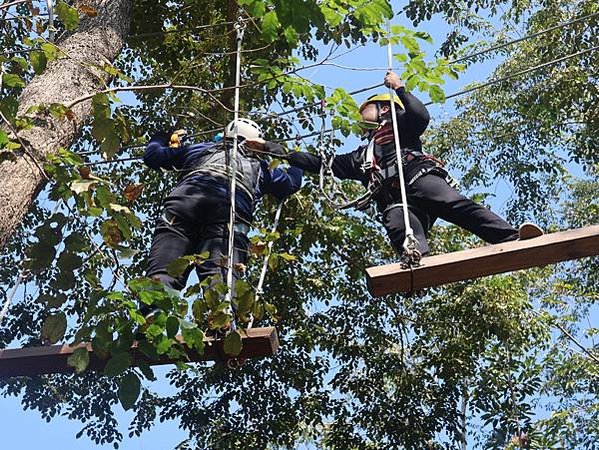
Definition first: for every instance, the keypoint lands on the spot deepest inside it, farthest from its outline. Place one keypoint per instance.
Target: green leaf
(68, 15)
(41, 255)
(111, 233)
(291, 36)
(129, 390)
(270, 26)
(59, 111)
(22, 62)
(194, 338)
(287, 257)
(218, 320)
(110, 145)
(146, 370)
(12, 80)
(424, 36)
(163, 345)
(104, 196)
(3, 138)
(9, 107)
(232, 344)
(123, 226)
(178, 267)
(64, 281)
(69, 261)
(54, 328)
(53, 301)
(332, 17)
(79, 359)
(148, 349)
(117, 364)
(51, 51)
(172, 326)
(255, 8)
(437, 94)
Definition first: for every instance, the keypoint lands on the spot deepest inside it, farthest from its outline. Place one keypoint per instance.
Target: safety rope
(240, 28)
(9, 298)
(326, 163)
(411, 254)
(259, 287)
(51, 29)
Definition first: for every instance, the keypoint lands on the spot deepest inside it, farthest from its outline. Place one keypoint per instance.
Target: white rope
(240, 27)
(51, 29)
(11, 296)
(409, 244)
(259, 288)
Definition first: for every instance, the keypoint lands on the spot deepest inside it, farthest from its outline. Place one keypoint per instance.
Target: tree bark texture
(97, 41)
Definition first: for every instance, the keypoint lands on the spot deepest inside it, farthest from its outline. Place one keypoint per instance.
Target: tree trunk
(97, 41)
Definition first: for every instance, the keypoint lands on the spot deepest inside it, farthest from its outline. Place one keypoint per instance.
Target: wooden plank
(30, 361)
(483, 261)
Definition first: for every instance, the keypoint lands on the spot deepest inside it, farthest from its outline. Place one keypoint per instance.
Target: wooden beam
(30, 361)
(483, 261)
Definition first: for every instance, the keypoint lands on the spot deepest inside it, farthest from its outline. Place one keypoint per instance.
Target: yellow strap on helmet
(381, 98)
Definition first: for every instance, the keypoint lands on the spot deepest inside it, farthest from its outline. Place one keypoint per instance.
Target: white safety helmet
(246, 128)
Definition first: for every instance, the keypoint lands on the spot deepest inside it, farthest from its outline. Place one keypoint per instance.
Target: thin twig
(24, 146)
(16, 2)
(576, 342)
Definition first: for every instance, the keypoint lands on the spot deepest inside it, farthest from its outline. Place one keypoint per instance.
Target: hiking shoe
(528, 231)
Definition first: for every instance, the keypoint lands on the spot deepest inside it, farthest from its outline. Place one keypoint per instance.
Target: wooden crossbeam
(30, 361)
(483, 261)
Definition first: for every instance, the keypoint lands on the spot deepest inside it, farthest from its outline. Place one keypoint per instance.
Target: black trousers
(174, 238)
(429, 197)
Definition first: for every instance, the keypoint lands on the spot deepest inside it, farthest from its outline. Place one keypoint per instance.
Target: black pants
(174, 238)
(430, 197)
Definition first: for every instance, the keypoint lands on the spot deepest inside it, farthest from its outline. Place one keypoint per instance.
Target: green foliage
(129, 390)
(79, 360)
(68, 15)
(117, 364)
(54, 328)
(232, 343)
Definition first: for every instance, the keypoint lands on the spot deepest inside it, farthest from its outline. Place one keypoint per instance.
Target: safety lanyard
(409, 245)
(240, 27)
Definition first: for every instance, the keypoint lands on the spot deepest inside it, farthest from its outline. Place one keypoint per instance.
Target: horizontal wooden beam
(483, 261)
(30, 361)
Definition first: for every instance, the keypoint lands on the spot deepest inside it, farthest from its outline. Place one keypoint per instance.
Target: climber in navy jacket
(196, 212)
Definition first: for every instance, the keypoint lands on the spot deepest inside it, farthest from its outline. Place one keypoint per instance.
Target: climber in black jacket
(429, 189)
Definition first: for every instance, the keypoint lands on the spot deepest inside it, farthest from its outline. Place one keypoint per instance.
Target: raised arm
(159, 155)
(414, 119)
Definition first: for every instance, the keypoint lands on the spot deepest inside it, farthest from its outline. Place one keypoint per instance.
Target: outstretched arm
(344, 166)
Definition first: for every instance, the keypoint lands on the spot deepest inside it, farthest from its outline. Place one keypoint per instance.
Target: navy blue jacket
(195, 194)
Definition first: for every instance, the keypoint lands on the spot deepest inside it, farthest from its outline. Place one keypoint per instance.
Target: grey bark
(96, 41)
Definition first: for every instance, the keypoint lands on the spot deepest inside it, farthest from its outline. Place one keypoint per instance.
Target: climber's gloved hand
(260, 146)
(176, 138)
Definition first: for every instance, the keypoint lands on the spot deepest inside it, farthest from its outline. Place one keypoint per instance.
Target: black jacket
(412, 122)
